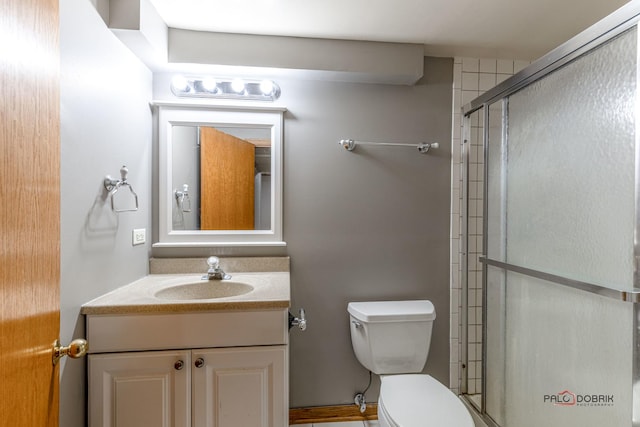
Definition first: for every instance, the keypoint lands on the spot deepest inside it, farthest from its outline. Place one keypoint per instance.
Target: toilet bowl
(419, 400)
(392, 339)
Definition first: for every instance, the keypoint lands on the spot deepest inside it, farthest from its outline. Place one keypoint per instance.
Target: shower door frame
(608, 28)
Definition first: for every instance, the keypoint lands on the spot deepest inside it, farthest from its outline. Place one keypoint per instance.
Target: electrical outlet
(139, 236)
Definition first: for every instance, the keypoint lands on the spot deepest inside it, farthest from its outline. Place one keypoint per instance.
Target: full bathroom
(383, 222)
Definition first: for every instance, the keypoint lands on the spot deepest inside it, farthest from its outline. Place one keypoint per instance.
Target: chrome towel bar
(350, 145)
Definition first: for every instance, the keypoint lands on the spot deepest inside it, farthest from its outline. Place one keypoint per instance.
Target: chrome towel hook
(183, 199)
(114, 185)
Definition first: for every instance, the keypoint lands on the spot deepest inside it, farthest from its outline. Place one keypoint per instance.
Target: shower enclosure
(551, 274)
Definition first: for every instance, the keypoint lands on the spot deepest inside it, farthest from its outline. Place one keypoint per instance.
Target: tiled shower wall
(471, 78)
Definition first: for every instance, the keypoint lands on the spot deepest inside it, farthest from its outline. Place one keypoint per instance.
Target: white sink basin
(205, 289)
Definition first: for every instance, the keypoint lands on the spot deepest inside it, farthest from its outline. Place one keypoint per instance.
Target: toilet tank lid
(392, 311)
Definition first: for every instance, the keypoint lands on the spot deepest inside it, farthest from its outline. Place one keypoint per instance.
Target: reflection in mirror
(221, 178)
(219, 175)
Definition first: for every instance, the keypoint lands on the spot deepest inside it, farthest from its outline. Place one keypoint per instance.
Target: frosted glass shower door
(560, 220)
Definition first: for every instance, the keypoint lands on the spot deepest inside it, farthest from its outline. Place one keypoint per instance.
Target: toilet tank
(391, 337)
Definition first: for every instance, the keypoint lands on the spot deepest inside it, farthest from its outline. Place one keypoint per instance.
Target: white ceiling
(496, 28)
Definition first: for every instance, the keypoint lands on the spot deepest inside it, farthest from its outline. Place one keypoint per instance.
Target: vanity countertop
(271, 291)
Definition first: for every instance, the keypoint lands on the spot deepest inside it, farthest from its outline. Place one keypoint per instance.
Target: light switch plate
(139, 236)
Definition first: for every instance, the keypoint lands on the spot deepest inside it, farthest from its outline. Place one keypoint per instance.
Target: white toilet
(392, 339)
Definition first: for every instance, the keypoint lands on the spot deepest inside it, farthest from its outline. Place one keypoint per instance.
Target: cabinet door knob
(199, 362)
(178, 365)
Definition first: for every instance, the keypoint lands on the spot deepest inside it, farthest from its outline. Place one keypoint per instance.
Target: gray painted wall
(372, 224)
(105, 123)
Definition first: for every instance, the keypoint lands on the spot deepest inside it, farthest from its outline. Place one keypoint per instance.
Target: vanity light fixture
(209, 87)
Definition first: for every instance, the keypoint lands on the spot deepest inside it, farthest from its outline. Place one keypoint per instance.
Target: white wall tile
(454, 375)
(456, 152)
(519, 65)
(457, 101)
(486, 81)
(454, 348)
(455, 274)
(468, 96)
(472, 241)
(455, 319)
(457, 75)
(473, 171)
(455, 228)
(471, 318)
(469, 81)
(471, 370)
(501, 77)
(457, 126)
(505, 66)
(455, 175)
(471, 334)
(473, 227)
(454, 304)
(471, 65)
(487, 65)
(475, 120)
(474, 149)
(478, 273)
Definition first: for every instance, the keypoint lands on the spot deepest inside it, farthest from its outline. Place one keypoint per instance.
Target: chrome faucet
(215, 272)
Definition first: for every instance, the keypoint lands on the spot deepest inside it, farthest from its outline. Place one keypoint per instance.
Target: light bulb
(180, 84)
(266, 87)
(237, 85)
(210, 85)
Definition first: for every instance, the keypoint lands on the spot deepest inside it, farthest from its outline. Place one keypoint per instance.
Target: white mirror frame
(173, 114)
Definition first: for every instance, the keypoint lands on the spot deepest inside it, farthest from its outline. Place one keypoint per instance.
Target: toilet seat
(417, 400)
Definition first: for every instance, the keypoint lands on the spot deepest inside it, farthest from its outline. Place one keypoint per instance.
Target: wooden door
(227, 171)
(29, 212)
(240, 387)
(146, 389)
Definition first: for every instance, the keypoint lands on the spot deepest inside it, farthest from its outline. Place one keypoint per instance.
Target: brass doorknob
(76, 349)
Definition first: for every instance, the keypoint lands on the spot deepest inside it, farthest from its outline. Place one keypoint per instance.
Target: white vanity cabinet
(192, 369)
(221, 387)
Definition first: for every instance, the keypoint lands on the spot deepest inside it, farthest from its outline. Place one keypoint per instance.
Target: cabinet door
(147, 389)
(236, 387)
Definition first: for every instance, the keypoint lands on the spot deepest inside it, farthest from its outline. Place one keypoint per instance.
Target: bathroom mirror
(219, 175)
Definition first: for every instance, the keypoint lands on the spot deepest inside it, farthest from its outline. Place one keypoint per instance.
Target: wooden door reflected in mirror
(227, 189)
